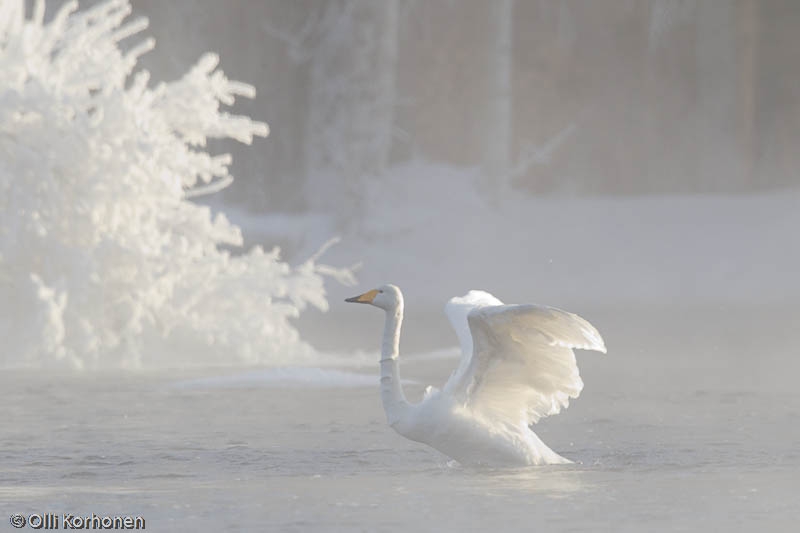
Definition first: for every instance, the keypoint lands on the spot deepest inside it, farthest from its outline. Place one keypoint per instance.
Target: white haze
(633, 162)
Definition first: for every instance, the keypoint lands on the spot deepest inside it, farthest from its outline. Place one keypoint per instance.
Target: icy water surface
(662, 439)
(298, 459)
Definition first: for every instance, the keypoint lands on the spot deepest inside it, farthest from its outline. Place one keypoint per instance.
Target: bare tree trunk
(669, 135)
(718, 164)
(351, 101)
(386, 78)
(497, 139)
(748, 29)
(315, 117)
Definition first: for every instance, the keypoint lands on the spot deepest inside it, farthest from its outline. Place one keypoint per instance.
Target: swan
(517, 366)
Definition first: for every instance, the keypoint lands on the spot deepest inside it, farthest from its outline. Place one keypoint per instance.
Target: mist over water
(633, 163)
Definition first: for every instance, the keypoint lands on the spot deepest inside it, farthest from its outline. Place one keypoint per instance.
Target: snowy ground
(426, 230)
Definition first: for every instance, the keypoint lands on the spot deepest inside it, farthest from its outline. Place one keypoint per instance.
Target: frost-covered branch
(531, 154)
(103, 260)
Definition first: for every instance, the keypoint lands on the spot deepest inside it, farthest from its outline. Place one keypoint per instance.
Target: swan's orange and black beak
(365, 298)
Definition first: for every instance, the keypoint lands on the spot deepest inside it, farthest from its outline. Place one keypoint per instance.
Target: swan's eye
(380, 292)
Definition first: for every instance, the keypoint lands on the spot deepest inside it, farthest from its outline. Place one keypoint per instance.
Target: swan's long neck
(394, 401)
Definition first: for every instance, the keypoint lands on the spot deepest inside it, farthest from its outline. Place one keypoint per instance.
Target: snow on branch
(104, 262)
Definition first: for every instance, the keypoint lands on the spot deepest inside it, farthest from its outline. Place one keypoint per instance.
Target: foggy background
(651, 96)
(606, 155)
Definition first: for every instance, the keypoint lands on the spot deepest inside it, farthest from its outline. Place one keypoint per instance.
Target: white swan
(516, 367)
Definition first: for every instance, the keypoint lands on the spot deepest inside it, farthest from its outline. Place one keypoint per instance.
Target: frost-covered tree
(350, 47)
(351, 99)
(104, 262)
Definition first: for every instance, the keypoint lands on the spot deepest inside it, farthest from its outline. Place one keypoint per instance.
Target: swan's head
(386, 297)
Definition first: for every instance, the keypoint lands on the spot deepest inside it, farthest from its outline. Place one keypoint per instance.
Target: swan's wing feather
(457, 309)
(522, 366)
(560, 328)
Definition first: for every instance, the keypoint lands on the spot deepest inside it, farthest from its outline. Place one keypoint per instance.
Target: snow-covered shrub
(104, 262)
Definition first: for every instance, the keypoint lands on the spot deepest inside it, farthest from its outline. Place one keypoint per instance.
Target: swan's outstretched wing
(457, 310)
(522, 367)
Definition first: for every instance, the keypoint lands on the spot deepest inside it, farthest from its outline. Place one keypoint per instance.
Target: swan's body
(516, 367)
